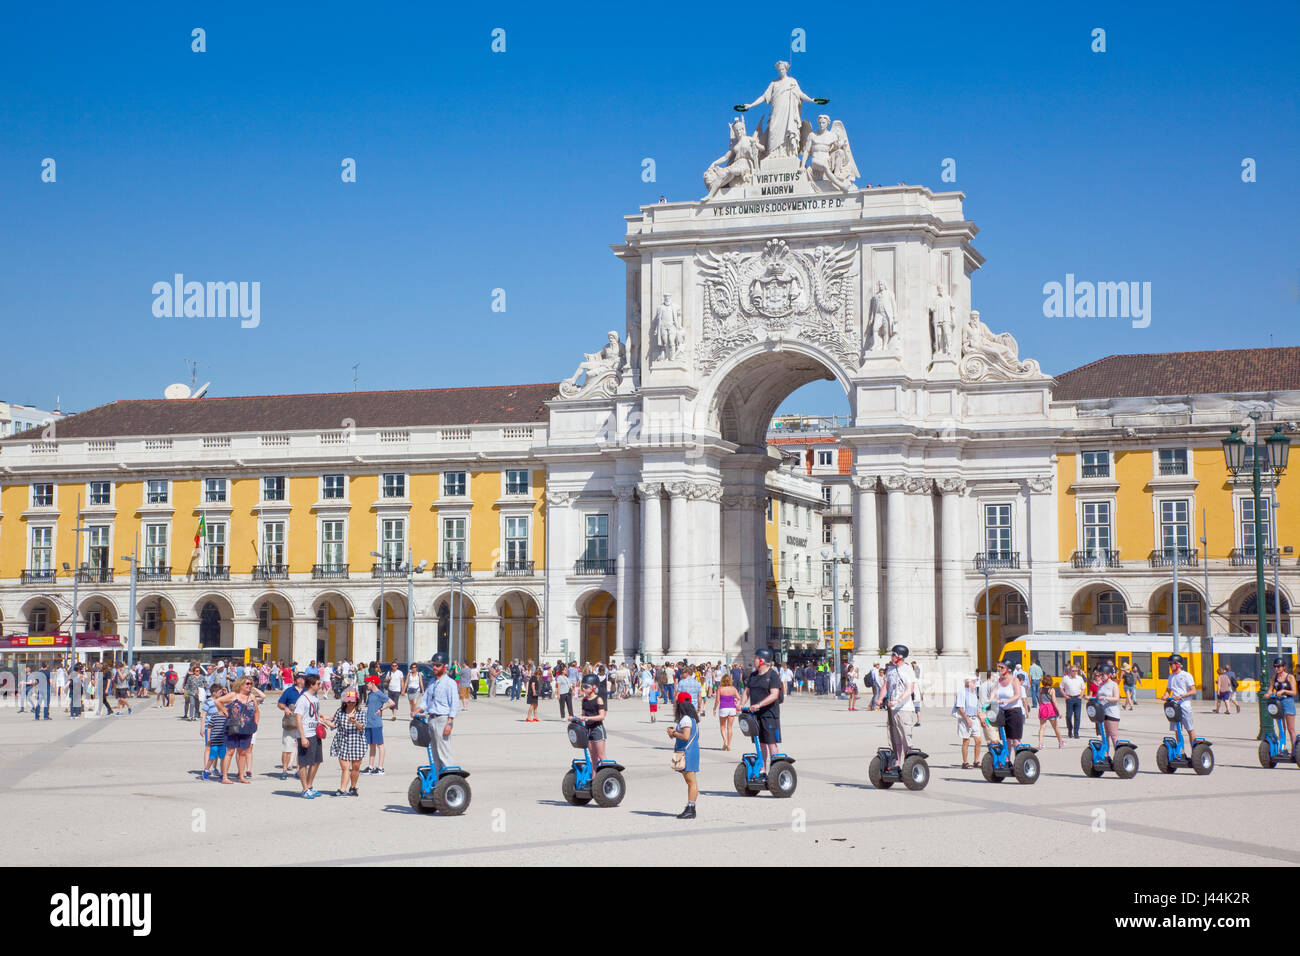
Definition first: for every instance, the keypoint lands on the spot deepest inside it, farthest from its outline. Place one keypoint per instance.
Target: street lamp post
(834, 557)
(379, 637)
(1234, 453)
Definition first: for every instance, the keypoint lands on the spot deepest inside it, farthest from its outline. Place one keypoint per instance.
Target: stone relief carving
(864, 482)
(624, 492)
(943, 323)
(1039, 485)
(600, 371)
(649, 489)
(560, 499)
(666, 327)
(989, 357)
(777, 292)
(951, 486)
(786, 99)
(829, 158)
(893, 482)
(918, 486)
(740, 159)
(880, 330)
(744, 502)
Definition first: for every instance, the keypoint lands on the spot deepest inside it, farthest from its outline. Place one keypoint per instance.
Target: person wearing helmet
(1108, 698)
(900, 685)
(1181, 688)
(764, 692)
(441, 702)
(1284, 689)
(593, 715)
(1010, 698)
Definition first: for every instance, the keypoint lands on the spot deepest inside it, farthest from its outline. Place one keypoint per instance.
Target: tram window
(1245, 666)
(1142, 661)
(1053, 663)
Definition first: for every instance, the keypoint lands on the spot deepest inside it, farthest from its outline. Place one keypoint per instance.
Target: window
(273, 543)
(1173, 461)
(786, 509)
(394, 486)
(1096, 527)
(1110, 609)
(331, 544)
(101, 492)
(828, 621)
(155, 547)
(453, 540)
(596, 538)
(785, 621)
(827, 570)
(826, 493)
(997, 530)
(517, 482)
(516, 541)
(826, 534)
(38, 620)
(214, 490)
(453, 484)
(807, 566)
(264, 616)
(393, 542)
(807, 517)
(214, 545)
(42, 549)
(42, 496)
(769, 510)
(825, 457)
(1189, 607)
(1096, 464)
(1014, 609)
(273, 488)
(1175, 527)
(155, 491)
(1248, 525)
(784, 567)
(332, 488)
(97, 547)
(151, 619)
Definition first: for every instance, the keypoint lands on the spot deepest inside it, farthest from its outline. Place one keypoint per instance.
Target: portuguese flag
(203, 529)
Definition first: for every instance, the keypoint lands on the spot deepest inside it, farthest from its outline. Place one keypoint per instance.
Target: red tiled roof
(492, 404)
(1183, 373)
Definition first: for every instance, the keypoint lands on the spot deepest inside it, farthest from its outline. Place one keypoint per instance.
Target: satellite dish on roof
(177, 390)
(199, 392)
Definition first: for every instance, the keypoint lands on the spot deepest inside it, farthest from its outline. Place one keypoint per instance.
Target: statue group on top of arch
(989, 357)
(599, 373)
(825, 151)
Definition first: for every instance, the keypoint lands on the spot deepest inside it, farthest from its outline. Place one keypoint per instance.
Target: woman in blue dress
(686, 741)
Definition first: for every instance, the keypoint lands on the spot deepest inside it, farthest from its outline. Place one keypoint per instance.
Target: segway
(446, 792)
(1096, 758)
(602, 782)
(749, 778)
(999, 762)
(1173, 753)
(1273, 749)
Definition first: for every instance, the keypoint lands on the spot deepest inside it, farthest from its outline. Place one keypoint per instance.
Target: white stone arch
(1108, 584)
(55, 612)
(99, 598)
(168, 614)
(97, 601)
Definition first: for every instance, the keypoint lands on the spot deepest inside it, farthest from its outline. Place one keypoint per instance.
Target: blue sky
(479, 171)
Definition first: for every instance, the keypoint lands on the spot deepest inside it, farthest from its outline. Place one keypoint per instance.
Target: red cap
(372, 679)
(683, 698)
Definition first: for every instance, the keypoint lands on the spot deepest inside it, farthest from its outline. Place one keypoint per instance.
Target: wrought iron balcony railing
(271, 572)
(514, 569)
(997, 560)
(329, 572)
(593, 566)
(1095, 558)
(1166, 557)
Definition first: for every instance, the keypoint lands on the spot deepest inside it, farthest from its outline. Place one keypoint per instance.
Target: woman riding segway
(593, 715)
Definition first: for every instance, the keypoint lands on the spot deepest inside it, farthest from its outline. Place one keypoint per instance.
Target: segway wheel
(916, 773)
(740, 779)
(609, 787)
(1026, 768)
(451, 795)
(781, 779)
(1266, 758)
(988, 770)
(1162, 759)
(1126, 763)
(570, 790)
(1090, 769)
(876, 774)
(1202, 759)
(413, 794)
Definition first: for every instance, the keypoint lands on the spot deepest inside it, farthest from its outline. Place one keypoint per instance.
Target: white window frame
(505, 482)
(321, 488)
(1010, 526)
(206, 542)
(1239, 504)
(506, 519)
(383, 486)
(85, 559)
(1187, 456)
(284, 490)
(1080, 533)
(90, 493)
(54, 494)
(320, 541)
(262, 525)
(402, 519)
(53, 529)
(225, 492)
(1110, 464)
(445, 484)
(444, 538)
(166, 546)
(166, 490)
(608, 536)
(1157, 503)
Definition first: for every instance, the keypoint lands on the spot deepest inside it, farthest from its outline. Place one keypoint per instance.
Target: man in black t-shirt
(763, 695)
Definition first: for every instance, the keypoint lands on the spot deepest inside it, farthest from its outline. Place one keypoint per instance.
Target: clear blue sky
(479, 170)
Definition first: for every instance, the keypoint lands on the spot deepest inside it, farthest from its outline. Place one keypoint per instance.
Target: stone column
(895, 560)
(866, 571)
(920, 587)
(762, 569)
(1042, 554)
(304, 640)
(245, 632)
(705, 630)
(681, 576)
(652, 569)
(956, 642)
(625, 532)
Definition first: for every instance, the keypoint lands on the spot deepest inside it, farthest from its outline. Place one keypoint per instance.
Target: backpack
(1232, 679)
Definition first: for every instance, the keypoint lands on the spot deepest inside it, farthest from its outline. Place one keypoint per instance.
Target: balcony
(514, 569)
(446, 569)
(1166, 557)
(593, 566)
(997, 561)
(156, 573)
(38, 575)
(785, 636)
(329, 572)
(271, 572)
(1096, 558)
(216, 572)
(387, 569)
(94, 575)
(1245, 557)
(1173, 468)
(1097, 471)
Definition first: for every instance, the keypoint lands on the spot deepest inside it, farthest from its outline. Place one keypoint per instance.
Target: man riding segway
(763, 695)
(441, 785)
(900, 685)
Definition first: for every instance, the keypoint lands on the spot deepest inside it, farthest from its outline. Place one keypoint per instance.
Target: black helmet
(1108, 670)
(439, 658)
(1177, 659)
(764, 654)
(900, 649)
(1278, 662)
(591, 680)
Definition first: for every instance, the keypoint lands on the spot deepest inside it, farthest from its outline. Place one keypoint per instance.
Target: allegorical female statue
(786, 99)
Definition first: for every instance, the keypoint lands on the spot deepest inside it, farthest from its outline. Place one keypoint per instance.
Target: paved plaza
(126, 790)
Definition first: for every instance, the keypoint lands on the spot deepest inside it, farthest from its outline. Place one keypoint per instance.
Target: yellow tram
(1150, 653)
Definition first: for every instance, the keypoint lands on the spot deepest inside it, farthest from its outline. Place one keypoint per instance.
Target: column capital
(560, 499)
(893, 482)
(918, 486)
(707, 491)
(951, 485)
(649, 489)
(865, 482)
(1037, 485)
(624, 493)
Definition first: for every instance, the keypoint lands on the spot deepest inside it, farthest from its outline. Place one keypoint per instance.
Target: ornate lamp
(1234, 451)
(1279, 449)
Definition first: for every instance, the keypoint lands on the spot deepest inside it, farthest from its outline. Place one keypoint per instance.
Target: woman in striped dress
(349, 743)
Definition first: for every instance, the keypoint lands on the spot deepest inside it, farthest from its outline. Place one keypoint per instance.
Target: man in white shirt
(307, 712)
(394, 677)
(1182, 689)
(327, 677)
(900, 685)
(1072, 688)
